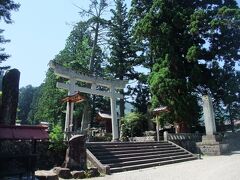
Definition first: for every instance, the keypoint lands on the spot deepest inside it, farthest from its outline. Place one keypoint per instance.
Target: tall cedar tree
(75, 55)
(185, 38)
(49, 105)
(5, 7)
(122, 54)
(226, 92)
(98, 27)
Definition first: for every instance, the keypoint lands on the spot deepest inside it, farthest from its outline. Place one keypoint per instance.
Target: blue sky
(38, 33)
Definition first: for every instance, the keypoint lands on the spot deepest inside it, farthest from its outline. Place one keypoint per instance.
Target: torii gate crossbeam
(71, 86)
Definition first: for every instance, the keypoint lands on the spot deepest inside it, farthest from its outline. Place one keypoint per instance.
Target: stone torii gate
(72, 88)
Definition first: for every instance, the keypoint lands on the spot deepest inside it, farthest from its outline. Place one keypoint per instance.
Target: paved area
(208, 168)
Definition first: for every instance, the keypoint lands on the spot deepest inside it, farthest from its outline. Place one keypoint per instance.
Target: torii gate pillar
(115, 125)
(69, 109)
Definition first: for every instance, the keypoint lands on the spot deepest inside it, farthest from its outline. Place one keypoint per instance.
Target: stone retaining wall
(185, 140)
(46, 157)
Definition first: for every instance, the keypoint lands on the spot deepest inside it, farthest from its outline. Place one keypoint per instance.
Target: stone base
(46, 175)
(62, 172)
(211, 146)
(78, 174)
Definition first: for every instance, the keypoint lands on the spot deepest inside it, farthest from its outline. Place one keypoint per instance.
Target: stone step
(131, 155)
(148, 165)
(125, 155)
(140, 157)
(122, 144)
(120, 151)
(103, 149)
(145, 161)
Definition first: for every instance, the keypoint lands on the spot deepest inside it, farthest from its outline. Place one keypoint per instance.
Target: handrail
(102, 168)
(195, 155)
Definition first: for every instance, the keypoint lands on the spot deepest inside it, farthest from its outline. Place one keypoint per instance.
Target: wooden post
(157, 129)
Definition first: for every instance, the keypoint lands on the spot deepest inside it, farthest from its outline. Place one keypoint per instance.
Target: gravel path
(208, 168)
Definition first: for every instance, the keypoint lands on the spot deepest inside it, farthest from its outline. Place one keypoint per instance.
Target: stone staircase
(124, 156)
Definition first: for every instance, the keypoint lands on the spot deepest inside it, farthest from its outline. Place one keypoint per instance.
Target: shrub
(56, 138)
(133, 124)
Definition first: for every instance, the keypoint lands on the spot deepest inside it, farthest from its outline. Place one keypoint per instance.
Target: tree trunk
(230, 118)
(92, 70)
(91, 63)
(122, 104)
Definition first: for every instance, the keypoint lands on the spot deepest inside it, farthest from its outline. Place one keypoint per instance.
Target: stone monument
(76, 153)
(10, 92)
(211, 143)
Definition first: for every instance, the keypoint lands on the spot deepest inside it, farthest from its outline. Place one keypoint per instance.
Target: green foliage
(133, 124)
(50, 107)
(141, 103)
(26, 95)
(184, 38)
(98, 28)
(34, 106)
(3, 56)
(188, 46)
(6, 7)
(56, 138)
(5, 14)
(225, 89)
(122, 51)
(77, 50)
(121, 61)
(76, 55)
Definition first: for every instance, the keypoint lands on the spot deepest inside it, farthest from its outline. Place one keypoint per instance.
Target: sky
(39, 32)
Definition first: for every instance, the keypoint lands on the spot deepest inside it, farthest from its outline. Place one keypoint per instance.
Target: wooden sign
(76, 98)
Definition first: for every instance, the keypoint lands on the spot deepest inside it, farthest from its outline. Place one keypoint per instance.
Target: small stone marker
(46, 175)
(76, 153)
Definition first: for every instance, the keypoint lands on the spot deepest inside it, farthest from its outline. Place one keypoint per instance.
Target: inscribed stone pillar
(76, 153)
(210, 144)
(10, 92)
(208, 114)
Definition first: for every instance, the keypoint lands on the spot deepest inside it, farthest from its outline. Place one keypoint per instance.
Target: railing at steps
(185, 140)
(102, 168)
